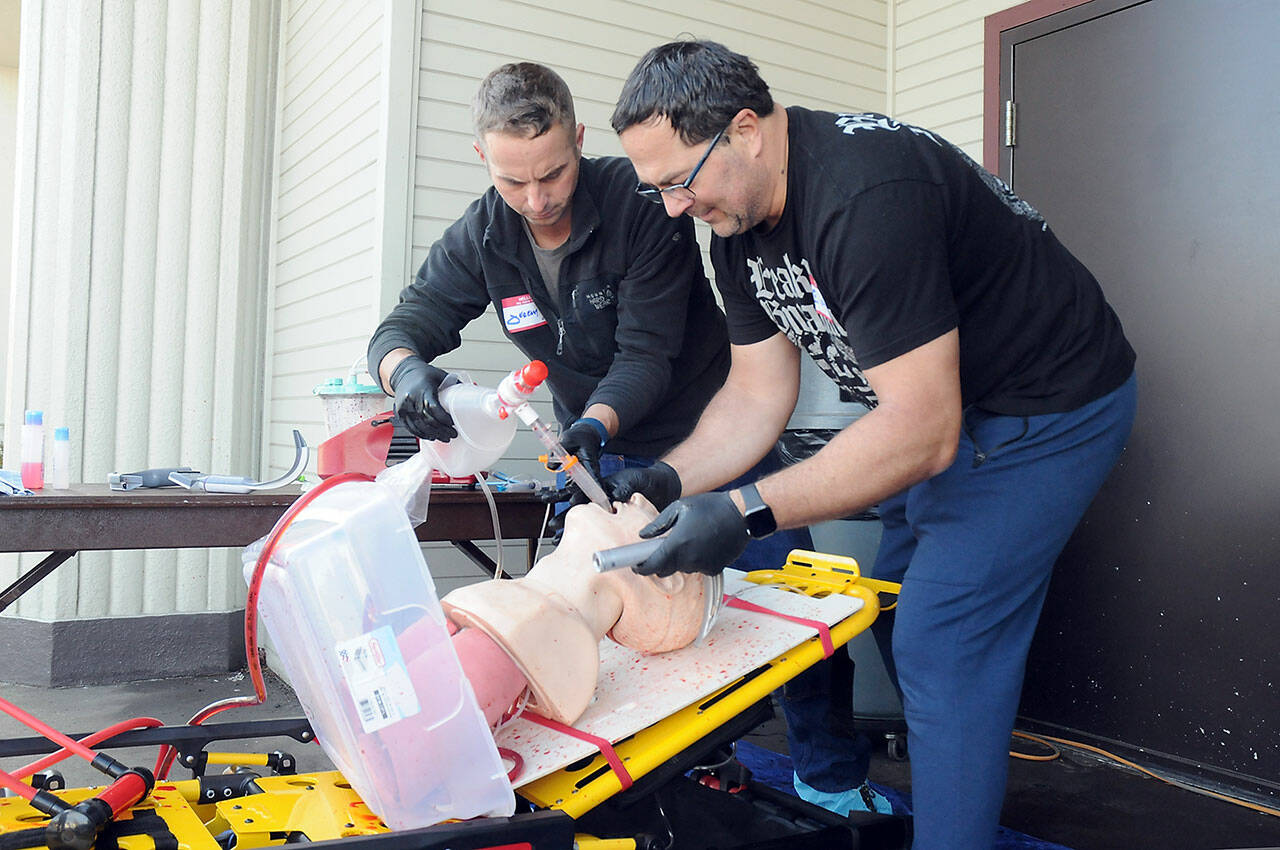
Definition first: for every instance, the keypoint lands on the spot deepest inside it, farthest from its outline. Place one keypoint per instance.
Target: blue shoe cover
(864, 798)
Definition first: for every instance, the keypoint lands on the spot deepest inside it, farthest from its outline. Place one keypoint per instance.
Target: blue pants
(769, 553)
(974, 548)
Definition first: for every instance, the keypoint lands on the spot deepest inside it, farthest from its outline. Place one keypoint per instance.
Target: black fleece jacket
(637, 327)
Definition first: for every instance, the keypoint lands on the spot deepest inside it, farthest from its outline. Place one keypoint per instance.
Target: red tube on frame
(89, 741)
(126, 792)
(16, 785)
(46, 730)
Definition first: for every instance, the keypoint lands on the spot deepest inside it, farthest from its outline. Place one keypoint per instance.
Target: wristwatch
(759, 516)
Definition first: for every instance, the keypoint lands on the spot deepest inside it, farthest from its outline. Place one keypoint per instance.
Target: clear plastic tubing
(61, 459)
(33, 450)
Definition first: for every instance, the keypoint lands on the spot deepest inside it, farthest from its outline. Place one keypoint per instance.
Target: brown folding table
(93, 516)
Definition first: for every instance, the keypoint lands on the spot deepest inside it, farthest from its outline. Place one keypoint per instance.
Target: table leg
(24, 583)
(483, 561)
(479, 558)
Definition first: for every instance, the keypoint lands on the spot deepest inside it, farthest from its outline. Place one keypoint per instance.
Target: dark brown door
(1149, 136)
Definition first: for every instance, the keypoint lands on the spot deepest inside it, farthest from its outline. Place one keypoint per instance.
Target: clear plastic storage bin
(353, 614)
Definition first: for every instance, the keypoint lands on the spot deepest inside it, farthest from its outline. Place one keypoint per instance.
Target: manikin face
(723, 193)
(536, 176)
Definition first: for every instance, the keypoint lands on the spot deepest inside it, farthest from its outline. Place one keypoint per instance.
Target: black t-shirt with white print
(892, 236)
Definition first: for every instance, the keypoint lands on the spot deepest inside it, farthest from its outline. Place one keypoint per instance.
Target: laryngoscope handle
(625, 556)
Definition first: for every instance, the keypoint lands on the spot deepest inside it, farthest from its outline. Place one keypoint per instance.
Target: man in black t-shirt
(1000, 382)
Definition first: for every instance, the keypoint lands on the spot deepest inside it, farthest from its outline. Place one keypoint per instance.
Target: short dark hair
(696, 85)
(524, 99)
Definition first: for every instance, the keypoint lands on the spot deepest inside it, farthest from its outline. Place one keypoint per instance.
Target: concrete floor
(1075, 801)
(171, 701)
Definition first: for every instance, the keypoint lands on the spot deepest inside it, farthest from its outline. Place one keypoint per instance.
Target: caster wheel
(897, 747)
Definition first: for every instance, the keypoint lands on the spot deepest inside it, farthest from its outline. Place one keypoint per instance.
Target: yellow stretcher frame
(319, 804)
(323, 806)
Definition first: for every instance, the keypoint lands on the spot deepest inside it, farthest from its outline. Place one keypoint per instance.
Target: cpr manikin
(542, 631)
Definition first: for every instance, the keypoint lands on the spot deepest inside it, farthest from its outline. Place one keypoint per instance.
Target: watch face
(760, 522)
(759, 516)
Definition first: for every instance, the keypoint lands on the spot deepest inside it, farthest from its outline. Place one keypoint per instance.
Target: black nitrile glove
(705, 533)
(586, 438)
(417, 387)
(659, 483)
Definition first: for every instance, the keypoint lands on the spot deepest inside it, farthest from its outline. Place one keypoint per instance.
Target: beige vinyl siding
(819, 54)
(936, 67)
(325, 245)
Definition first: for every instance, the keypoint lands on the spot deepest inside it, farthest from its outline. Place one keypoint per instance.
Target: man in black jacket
(599, 284)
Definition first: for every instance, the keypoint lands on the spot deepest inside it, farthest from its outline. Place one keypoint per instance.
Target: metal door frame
(1002, 31)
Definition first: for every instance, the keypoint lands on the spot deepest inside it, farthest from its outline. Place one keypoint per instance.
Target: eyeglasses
(680, 191)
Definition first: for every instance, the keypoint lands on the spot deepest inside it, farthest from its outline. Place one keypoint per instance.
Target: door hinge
(1010, 123)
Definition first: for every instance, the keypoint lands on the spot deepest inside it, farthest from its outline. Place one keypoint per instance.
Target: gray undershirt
(549, 260)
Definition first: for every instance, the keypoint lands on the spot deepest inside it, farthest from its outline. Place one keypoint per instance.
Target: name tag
(519, 313)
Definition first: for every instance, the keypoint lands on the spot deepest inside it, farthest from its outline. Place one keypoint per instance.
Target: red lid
(535, 373)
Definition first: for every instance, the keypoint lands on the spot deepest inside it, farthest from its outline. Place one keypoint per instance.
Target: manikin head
(543, 629)
(683, 97)
(527, 136)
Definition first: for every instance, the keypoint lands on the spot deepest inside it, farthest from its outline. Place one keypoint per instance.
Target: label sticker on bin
(378, 679)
